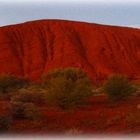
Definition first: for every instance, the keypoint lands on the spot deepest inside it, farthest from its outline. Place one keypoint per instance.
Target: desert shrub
(69, 73)
(21, 110)
(31, 111)
(22, 83)
(118, 87)
(5, 122)
(28, 95)
(67, 87)
(17, 109)
(136, 86)
(9, 82)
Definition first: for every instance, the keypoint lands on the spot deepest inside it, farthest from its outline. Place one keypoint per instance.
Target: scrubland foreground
(66, 103)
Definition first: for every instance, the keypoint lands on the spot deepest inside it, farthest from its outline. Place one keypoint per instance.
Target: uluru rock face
(33, 48)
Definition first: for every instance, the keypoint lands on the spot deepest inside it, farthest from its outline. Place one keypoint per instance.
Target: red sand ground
(100, 117)
(32, 48)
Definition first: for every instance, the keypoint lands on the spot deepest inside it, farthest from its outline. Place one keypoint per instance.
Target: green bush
(5, 122)
(17, 109)
(27, 95)
(21, 110)
(6, 119)
(31, 111)
(23, 103)
(118, 87)
(9, 82)
(67, 87)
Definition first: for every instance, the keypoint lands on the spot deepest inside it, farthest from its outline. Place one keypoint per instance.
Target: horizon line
(71, 20)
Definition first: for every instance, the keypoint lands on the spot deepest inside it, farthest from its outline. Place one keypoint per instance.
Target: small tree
(67, 87)
(118, 87)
